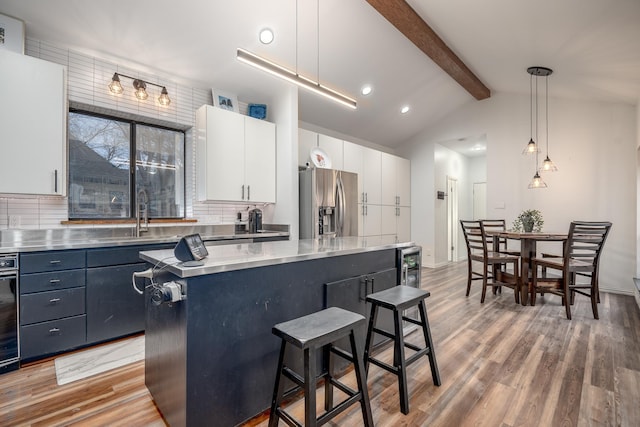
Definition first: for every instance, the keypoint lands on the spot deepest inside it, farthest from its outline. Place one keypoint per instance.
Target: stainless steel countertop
(251, 255)
(84, 238)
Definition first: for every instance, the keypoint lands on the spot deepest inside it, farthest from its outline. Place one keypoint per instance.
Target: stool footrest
(293, 376)
(339, 408)
(342, 387)
(287, 418)
(383, 365)
(421, 352)
(385, 333)
(342, 353)
(410, 320)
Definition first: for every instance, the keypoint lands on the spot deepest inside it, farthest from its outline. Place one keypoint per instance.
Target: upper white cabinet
(353, 163)
(33, 125)
(236, 157)
(396, 180)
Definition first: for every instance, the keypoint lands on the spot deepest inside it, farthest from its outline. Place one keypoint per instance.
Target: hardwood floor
(501, 365)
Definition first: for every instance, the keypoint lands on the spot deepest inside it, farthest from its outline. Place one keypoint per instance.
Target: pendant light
(536, 181)
(531, 147)
(547, 165)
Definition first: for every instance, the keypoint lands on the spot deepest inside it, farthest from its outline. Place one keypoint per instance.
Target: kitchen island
(211, 358)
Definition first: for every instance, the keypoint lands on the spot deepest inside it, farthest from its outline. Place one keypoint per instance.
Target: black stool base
(399, 299)
(311, 333)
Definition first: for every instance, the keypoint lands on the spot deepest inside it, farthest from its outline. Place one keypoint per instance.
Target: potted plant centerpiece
(528, 221)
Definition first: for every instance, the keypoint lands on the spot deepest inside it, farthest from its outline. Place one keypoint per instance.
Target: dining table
(528, 251)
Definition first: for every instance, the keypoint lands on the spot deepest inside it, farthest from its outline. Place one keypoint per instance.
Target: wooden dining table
(528, 243)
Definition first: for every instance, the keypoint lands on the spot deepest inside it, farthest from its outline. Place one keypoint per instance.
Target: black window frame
(133, 196)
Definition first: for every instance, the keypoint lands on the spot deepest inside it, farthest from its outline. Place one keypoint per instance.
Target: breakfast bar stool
(397, 299)
(318, 331)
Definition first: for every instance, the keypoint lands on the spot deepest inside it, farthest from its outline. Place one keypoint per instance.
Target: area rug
(97, 360)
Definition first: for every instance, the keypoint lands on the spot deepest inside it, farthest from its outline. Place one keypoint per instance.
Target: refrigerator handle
(340, 200)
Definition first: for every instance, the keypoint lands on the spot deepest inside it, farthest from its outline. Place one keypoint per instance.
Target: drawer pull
(54, 281)
(55, 261)
(54, 331)
(54, 300)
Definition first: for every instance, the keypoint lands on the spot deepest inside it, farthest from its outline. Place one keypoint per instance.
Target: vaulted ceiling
(592, 45)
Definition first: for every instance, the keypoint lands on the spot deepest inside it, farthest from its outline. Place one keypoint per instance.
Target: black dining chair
(494, 264)
(581, 257)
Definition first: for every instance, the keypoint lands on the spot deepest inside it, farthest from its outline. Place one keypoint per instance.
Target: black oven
(9, 348)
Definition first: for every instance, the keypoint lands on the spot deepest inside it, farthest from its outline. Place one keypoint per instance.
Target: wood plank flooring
(501, 365)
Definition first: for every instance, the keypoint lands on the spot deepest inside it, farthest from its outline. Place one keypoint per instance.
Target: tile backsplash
(87, 80)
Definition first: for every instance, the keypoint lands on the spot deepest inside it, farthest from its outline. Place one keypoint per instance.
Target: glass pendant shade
(141, 90)
(115, 87)
(531, 148)
(163, 99)
(537, 182)
(548, 166)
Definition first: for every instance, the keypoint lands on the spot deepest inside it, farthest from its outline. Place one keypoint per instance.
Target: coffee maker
(255, 220)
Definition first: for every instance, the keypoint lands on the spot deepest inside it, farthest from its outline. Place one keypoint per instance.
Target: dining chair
(581, 256)
(493, 263)
(497, 225)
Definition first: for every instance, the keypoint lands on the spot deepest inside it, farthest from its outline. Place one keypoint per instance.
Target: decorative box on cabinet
(52, 302)
(236, 157)
(33, 124)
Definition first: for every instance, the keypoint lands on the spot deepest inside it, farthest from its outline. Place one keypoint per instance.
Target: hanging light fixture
(293, 76)
(140, 86)
(531, 147)
(547, 165)
(536, 181)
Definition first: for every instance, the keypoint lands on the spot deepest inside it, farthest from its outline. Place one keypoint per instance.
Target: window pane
(99, 153)
(160, 170)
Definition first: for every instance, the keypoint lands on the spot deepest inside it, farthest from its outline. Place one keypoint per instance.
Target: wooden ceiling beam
(405, 19)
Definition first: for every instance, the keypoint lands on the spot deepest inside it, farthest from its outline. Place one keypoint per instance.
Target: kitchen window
(103, 184)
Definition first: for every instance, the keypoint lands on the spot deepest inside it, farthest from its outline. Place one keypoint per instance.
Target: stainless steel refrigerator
(328, 203)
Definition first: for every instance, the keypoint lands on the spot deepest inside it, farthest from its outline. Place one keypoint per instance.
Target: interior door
(479, 200)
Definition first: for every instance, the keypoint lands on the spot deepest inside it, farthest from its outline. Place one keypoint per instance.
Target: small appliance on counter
(255, 220)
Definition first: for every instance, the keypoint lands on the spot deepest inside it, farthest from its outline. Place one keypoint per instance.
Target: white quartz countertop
(250, 255)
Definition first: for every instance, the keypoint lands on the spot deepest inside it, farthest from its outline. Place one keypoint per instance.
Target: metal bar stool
(318, 331)
(397, 299)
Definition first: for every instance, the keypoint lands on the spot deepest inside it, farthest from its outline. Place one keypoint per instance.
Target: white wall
(593, 144)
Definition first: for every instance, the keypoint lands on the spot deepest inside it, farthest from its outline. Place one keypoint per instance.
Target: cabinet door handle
(372, 285)
(54, 331)
(361, 297)
(366, 197)
(54, 301)
(55, 180)
(55, 261)
(242, 191)
(54, 281)
(248, 192)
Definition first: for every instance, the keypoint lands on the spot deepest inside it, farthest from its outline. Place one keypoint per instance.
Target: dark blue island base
(211, 359)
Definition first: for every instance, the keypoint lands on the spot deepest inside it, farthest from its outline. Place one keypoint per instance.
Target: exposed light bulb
(115, 87)
(164, 99)
(537, 182)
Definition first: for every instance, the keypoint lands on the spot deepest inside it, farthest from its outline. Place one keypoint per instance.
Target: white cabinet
(236, 157)
(33, 125)
(372, 220)
(396, 180)
(396, 221)
(353, 162)
(372, 177)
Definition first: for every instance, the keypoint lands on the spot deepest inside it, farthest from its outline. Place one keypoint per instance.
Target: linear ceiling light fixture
(140, 87)
(293, 77)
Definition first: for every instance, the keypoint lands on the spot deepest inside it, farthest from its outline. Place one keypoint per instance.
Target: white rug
(97, 360)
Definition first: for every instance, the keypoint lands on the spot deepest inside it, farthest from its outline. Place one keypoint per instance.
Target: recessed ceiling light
(366, 90)
(266, 36)
(405, 109)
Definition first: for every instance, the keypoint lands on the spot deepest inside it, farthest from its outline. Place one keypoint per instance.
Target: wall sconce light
(140, 87)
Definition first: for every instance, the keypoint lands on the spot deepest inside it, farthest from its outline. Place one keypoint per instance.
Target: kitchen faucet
(142, 199)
